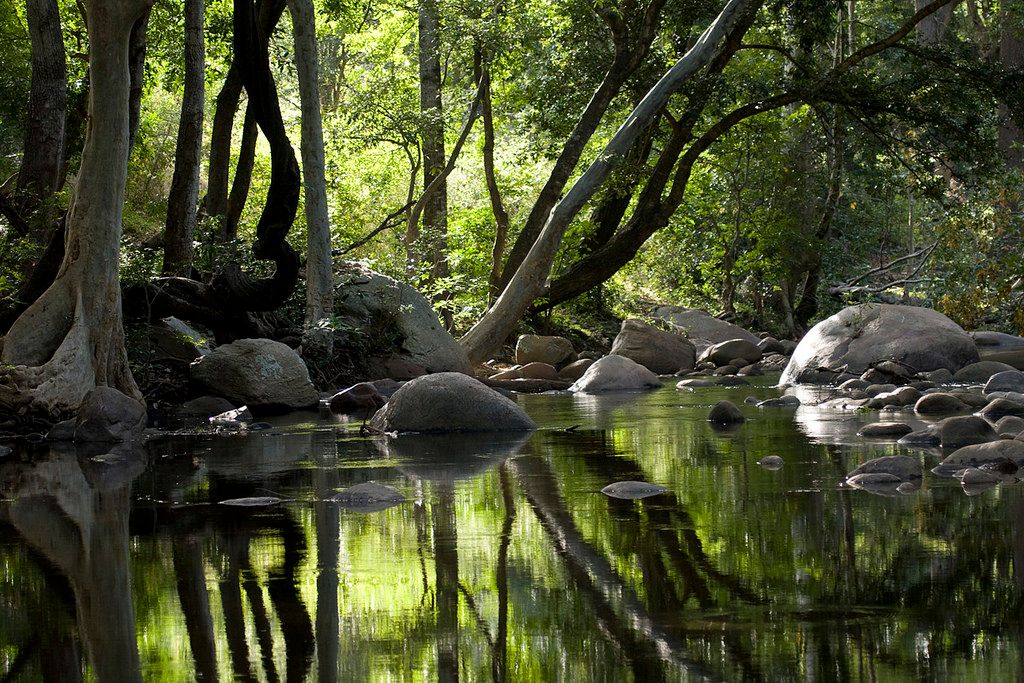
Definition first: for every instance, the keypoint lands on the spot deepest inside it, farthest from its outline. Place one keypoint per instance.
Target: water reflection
(507, 563)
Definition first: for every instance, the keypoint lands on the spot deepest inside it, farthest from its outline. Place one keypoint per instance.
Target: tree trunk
(496, 325)
(42, 166)
(501, 220)
(319, 264)
(242, 181)
(137, 72)
(429, 247)
(71, 339)
(1011, 56)
(184, 195)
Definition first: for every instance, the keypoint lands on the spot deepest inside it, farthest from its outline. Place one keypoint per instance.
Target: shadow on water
(506, 562)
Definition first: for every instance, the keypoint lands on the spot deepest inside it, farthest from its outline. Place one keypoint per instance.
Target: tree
(319, 271)
(71, 339)
(528, 282)
(182, 201)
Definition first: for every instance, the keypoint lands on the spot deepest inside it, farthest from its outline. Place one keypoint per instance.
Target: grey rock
(695, 384)
(980, 454)
(771, 462)
(1009, 424)
(853, 384)
(725, 413)
(999, 346)
(770, 345)
(975, 475)
(939, 404)
(964, 430)
(107, 415)
(573, 371)
(1001, 407)
(923, 438)
(252, 501)
(725, 371)
(176, 340)
(885, 430)
(876, 389)
(232, 418)
(368, 302)
(258, 373)
(631, 490)
(980, 371)
(449, 402)
(659, 351)
(940, 376)
(733, 381)
(615, 373)
(1010, 380)
(532, 348)
(787, 401)
(723, 352)
(362, 398)
(205, 406)
(702, 328)
(880, 483)
(902, 467)
(860, 336)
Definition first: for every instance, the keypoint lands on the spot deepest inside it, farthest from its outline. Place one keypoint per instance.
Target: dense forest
(526, 165)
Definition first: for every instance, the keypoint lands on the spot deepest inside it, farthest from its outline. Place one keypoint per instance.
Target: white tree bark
(319, 264)
(71, 339)
(498, 323)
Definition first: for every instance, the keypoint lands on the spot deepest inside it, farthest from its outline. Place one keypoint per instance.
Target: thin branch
(923, 251)
(389, 222)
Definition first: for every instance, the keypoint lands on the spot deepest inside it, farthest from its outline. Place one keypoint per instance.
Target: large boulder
(393, 326)
(449, 402)
(533, 348)
(702, 328)
(980, 372)
(259, 373)
(615, 373)
(176, 340)
(107, 415)
(725, 352)
(858, 337)
(999, 346)
(657, 350)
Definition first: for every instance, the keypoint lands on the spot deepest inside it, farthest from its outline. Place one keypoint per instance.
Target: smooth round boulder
(702, 328)
(1001, 407)
(724, 352)
(449, 402)
(858, 337)
(901, 466)
(885, 430)
(1009, 424)
(657, 350)
(615, 373)
(939, 403)
(980, 372)
(964, 430)
(205, 406)
(1008, 380)
(259, 373)
(725, 413)
(538, 370)
(940, 376)
(533, 348)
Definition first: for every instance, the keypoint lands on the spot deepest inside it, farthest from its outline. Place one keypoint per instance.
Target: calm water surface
(506, 562)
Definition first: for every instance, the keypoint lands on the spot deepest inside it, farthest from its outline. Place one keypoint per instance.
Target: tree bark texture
(184, 195)
(71, 339)
(242, 180)
(137, 71)
(501, 219)
(319, 264)
(42, 166)
(528, 282)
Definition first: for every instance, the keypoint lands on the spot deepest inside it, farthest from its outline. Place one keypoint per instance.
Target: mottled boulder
(723, 353)
(107, 415)
(449, 402)
(615, 373)
(980, 372)
(555, 351)
(657, 350)
(858, 337)
(391, 321)
(260, 373)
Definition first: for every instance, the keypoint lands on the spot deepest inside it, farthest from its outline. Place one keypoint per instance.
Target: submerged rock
(885, 430)
(368, 497)
(251, 502)
(771, 462)
(725, 413)
(631, 490)
(902, 467)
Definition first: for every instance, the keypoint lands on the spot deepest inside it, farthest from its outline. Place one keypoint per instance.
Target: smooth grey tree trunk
(498, 323)
(184, 195)
(72, 339)
(319, 264)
